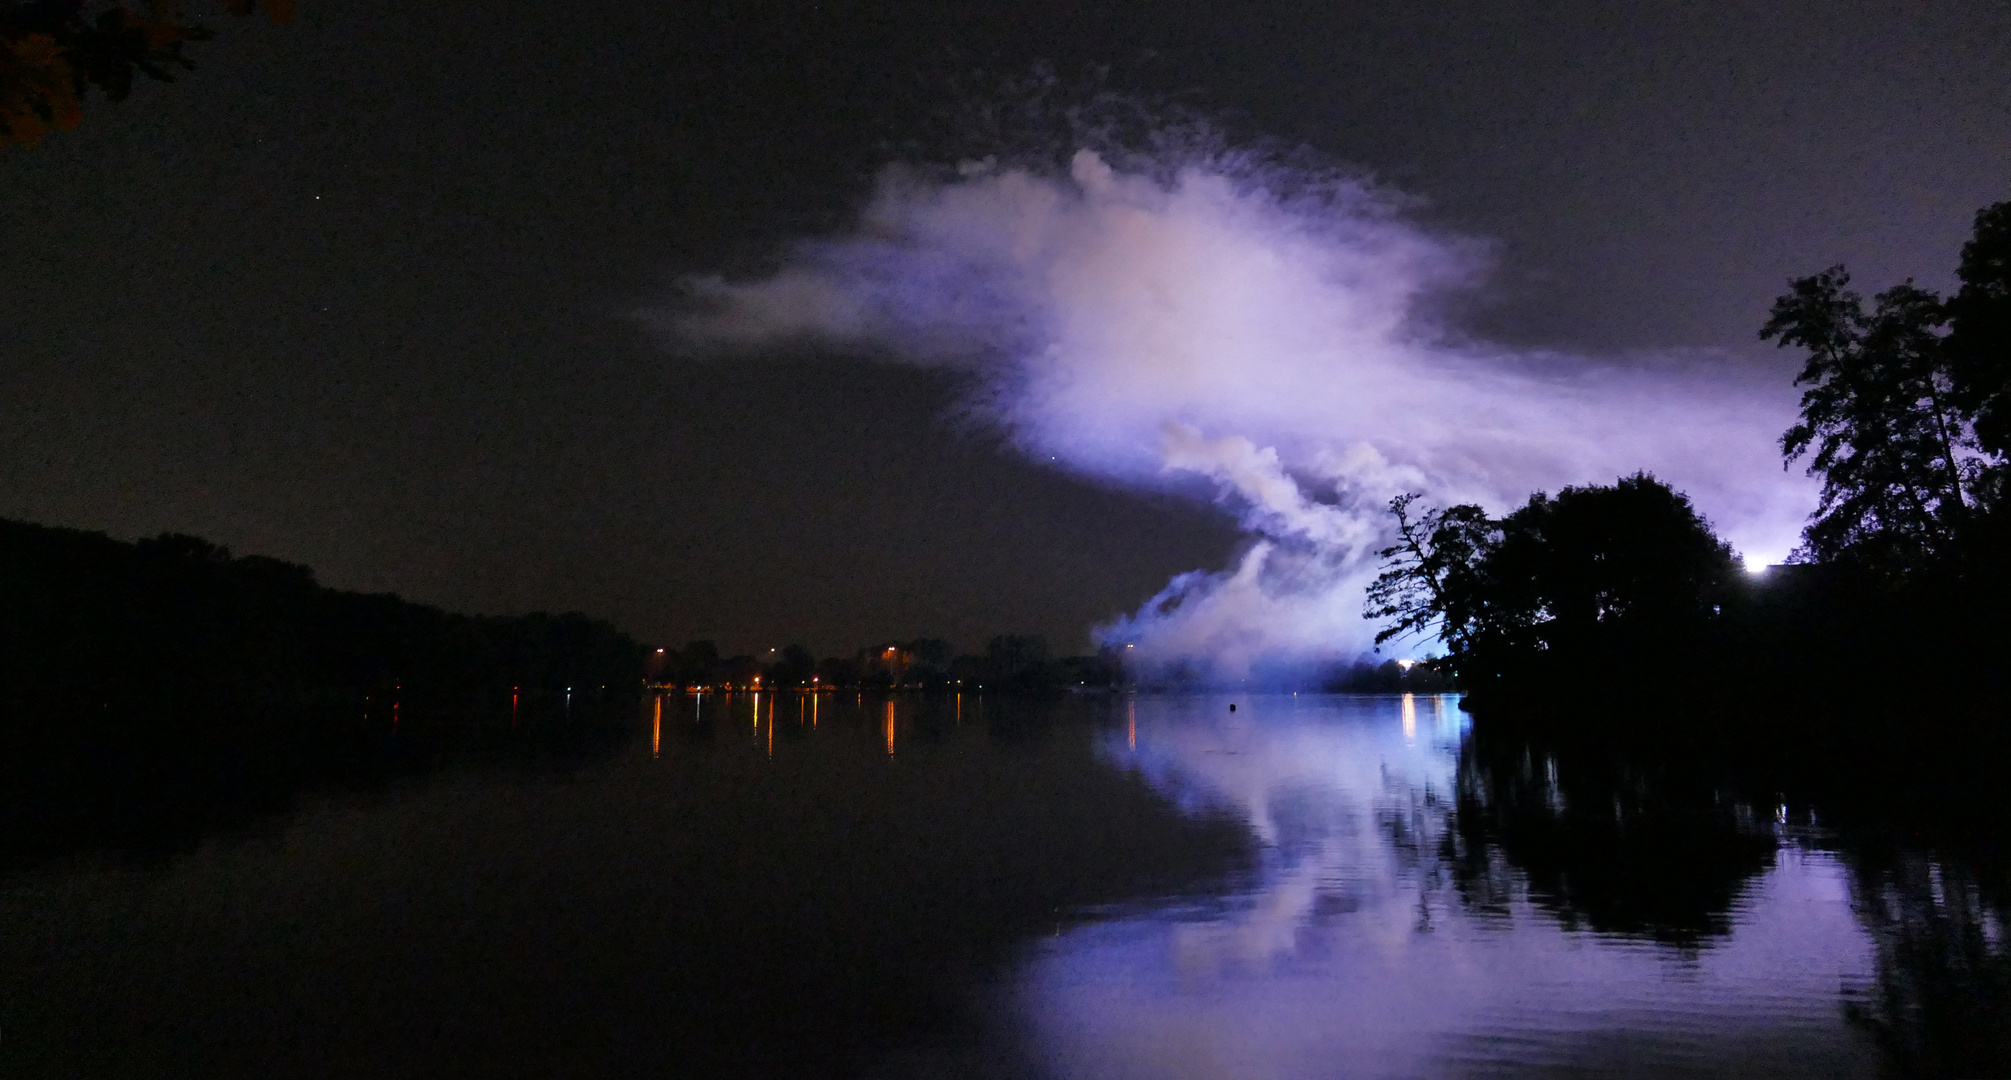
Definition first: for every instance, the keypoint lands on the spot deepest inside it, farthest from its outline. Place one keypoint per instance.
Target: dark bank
(151, 690)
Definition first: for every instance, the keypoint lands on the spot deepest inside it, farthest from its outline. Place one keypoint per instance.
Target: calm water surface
(1102, 887)
(1361, 949)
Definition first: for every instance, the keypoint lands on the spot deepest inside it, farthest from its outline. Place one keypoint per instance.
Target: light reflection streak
(1131, 724)
(656, 730)
(1410, 718)
(890, 728)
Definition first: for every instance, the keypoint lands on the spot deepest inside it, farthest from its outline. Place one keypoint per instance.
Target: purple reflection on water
(1354, 952)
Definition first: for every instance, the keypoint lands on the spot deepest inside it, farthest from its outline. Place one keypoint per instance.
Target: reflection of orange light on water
(1410, 717)
(813, 712)
(890, 728)
(757, 710)
(960, 708)
(513, 706)
(1131, 711)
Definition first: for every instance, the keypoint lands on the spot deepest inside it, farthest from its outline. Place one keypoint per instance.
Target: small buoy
(1232, 706)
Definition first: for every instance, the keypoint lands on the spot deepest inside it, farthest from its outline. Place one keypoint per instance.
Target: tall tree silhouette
(1979, 336)
(1879, 422)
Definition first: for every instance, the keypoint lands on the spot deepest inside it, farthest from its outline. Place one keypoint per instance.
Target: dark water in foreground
(1111, 888)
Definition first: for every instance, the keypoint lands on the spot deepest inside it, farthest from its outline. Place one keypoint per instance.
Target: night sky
(361, 291)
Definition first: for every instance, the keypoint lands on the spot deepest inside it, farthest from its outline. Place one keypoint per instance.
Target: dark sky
(358, 292)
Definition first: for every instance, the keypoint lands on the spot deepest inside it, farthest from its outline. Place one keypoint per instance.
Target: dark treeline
(1010, 663)
(148, 689)
(1899, 589)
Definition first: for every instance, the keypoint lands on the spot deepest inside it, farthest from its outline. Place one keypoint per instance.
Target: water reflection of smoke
(1386, 934)
(1343, 826)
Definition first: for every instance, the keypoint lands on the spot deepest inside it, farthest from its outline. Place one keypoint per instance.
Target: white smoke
(1228, 322)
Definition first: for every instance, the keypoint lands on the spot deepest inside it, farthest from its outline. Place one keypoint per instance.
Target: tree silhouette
(1599, 581)
(1878, 422)
(52, 52)
(1907, 415)
(1592, 578)
(1979, 335)
(1427, 585)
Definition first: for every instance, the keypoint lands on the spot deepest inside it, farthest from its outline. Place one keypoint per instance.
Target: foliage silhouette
(1428, 586)
(1604, 581)
(1905, 565)
(52, 52)
(1979, 335)
(1878, 423)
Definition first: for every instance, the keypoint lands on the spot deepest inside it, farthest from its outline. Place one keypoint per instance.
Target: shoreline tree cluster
(88, 619)
(1901, 580)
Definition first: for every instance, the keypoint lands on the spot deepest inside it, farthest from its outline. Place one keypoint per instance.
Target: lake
(1108, 886)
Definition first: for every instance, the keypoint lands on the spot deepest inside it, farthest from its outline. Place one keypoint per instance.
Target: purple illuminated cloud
(1269, 335)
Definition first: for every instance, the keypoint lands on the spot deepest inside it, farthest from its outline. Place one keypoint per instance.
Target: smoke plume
(1262, 329)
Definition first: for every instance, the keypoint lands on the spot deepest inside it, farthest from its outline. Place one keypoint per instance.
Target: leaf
(38, 88)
